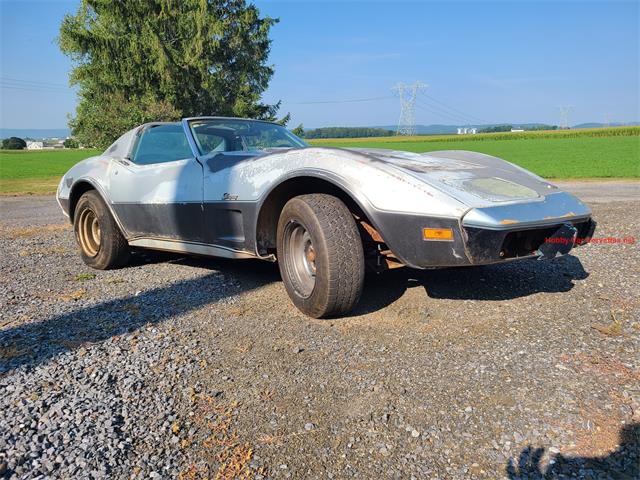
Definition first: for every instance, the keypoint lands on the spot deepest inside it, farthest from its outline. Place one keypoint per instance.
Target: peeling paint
(566, 215)
(485, 190)
(550, 210)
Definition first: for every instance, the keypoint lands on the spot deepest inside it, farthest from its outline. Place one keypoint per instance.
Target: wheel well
(77, 191)
(269, 215)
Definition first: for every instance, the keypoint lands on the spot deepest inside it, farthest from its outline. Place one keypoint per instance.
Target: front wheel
(320, 255)
(102, 245)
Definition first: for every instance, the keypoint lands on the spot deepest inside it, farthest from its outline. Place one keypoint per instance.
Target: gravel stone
(174, 366)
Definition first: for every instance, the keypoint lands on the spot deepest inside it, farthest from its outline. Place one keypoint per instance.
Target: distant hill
(602, 125)
(450, 129)
(428, 129)
(35, 133)
(438, 129)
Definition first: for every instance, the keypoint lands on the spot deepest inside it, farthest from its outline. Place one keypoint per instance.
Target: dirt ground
(191, 368)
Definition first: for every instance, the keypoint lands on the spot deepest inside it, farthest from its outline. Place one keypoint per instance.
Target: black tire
(102, 245)
(318, 238)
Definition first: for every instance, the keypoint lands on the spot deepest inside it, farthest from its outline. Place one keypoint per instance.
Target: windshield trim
(196, 146)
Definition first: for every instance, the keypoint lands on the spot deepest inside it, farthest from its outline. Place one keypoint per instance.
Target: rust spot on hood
(508, 221)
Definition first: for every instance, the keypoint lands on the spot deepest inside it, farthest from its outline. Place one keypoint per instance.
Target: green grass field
(36, 171)
(39, 163)
(579, 157)
(597, 153)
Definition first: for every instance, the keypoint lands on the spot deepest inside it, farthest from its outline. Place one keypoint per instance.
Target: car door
(228, 216)
(157, 191)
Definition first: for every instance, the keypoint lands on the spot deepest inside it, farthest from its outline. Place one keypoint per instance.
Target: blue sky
(492, 61)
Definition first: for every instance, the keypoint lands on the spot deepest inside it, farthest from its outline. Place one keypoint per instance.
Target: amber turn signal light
(444, 234)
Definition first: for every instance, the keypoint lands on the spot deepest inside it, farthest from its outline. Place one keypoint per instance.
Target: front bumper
(553, 208)
(488, 235)
(491, 246)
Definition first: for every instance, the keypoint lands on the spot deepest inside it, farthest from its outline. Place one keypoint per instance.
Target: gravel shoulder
(598, 191)
(179, 367)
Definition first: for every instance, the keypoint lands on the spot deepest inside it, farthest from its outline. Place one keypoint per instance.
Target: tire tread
(346, 259)
(114, 248)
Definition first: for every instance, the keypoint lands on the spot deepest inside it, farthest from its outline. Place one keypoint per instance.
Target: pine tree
(138, 61)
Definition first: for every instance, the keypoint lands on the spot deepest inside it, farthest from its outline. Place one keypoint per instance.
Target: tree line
(17, 143)
(347, 132)
(508, 128)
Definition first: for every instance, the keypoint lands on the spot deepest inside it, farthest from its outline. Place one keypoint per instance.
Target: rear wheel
(320, 255)
(102, 245)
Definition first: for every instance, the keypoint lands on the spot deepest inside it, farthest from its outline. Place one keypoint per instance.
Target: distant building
(517, 129)
(52, 143)
(467, 130)
(33, 145)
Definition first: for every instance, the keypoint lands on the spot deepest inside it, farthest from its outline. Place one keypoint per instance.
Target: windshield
(237, 135)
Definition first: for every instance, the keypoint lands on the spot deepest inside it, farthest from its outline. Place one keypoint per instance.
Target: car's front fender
(369, 181)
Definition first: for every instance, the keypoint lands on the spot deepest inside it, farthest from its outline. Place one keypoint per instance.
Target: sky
(337, 62)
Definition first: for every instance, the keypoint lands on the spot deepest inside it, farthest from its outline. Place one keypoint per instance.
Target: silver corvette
(240, 188)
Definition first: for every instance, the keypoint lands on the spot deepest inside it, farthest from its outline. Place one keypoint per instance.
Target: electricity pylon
(407, 95)
(564, 115)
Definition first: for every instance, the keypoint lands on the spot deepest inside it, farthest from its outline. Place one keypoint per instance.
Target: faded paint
(534, 213)
(426, 184)
(474, 188)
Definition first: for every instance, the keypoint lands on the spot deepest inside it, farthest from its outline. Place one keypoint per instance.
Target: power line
(408, 93)
(33, 82)
(454, 109)
(413, 95)
(28, 88)
(10, 83)
(438, 113)
(443, 113)
(354, 100)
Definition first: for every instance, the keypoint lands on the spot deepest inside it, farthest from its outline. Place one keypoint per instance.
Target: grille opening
(525, 242)
(489, 246)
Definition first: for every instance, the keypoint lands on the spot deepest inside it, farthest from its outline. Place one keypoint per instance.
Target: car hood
(476, 179)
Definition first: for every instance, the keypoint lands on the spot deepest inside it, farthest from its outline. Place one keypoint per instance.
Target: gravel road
(179, 367)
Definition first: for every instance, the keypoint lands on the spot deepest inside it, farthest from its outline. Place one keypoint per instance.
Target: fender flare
(98, 188)
(360, 200)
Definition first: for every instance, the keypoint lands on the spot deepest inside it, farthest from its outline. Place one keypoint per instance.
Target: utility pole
(564, 115)
(607, 119)
(407, 95)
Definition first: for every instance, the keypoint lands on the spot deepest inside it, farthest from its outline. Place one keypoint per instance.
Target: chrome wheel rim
(301, 256)
(89, 232)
